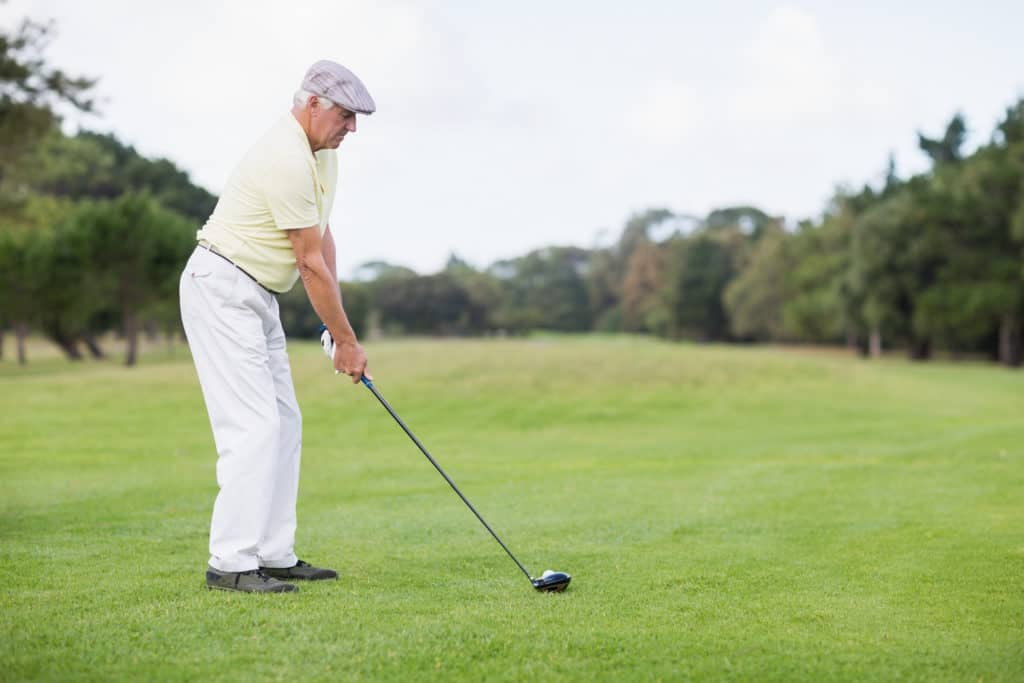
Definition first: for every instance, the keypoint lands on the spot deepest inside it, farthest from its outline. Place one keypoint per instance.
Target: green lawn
(726, 513)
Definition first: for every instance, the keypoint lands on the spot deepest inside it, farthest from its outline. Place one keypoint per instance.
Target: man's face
(330, 126)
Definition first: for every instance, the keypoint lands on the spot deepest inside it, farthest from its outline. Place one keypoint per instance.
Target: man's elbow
(308, 266)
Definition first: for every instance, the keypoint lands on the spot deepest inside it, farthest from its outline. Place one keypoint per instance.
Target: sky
(503, 127)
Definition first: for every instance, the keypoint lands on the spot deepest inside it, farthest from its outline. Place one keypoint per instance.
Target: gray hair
(301, 97)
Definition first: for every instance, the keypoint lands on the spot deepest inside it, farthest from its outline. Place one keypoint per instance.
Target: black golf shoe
(252, 581)
(302, 571)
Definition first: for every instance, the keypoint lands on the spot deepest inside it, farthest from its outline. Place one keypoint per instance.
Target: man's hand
(347, 358)
(350, 359)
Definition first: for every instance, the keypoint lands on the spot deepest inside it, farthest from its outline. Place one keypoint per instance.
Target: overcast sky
(506, 126)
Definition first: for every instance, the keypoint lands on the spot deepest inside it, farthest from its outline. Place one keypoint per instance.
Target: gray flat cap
(339, 85)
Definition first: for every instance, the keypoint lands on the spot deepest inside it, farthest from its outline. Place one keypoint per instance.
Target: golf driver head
(552, 582)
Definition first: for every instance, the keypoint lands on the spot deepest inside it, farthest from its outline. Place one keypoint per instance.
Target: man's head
(327, 103)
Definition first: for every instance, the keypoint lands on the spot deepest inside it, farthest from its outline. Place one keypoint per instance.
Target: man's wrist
(345, 338)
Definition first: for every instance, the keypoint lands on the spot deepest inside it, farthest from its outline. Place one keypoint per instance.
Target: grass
(727, 514)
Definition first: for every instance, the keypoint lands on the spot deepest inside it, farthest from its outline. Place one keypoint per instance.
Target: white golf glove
(327, 342)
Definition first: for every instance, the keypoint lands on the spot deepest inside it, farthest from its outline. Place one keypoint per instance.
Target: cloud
(666, 113)
(788, 71)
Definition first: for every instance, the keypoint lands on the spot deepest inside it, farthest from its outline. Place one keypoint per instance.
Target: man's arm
(321, 285)
(330, 255)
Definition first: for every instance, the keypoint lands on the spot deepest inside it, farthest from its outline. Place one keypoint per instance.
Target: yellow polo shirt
(279, 185)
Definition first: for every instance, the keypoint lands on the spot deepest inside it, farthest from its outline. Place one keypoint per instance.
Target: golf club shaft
(369, 385)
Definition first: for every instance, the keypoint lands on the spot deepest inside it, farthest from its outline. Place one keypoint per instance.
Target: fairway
(727, 513)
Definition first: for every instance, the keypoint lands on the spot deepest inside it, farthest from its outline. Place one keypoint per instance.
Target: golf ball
(546, 574)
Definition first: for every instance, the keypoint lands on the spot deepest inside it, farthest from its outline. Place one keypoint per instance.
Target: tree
(99, 166)
(63, 297)
(979, 295)
(65, 171)
(643, 309)
(607, 271)
(702, 266)
(546, 289)
(604, 285)
(16, 305)
(754, 300)
(484, 291)
(134, 249)
(750, 220)
(31, 92)
(879, 280)
(815, 308)
(430, 304)
(948, 148)
(29, 289)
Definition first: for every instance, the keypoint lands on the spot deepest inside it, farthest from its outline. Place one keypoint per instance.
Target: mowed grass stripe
(727, 513)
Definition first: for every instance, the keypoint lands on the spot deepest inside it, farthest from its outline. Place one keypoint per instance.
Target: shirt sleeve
(291, 196)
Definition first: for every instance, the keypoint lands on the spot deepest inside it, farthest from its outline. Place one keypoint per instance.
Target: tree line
(93, 236)
(933, 262)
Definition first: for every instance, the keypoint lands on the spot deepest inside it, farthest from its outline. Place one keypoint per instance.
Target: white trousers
(238, 347)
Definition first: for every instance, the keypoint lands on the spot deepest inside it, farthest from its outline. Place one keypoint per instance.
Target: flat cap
(339, 85)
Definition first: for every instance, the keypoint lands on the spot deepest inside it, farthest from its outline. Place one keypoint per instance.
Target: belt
(213, 250)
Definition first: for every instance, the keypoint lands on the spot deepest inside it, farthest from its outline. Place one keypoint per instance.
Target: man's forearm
(329, 252)
(322, 290)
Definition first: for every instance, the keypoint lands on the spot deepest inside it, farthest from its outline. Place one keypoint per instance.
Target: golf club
(549, 581)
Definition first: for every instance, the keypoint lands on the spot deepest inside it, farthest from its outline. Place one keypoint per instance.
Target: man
(269, 228)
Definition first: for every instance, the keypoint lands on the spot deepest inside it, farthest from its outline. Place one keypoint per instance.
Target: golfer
(269, 229)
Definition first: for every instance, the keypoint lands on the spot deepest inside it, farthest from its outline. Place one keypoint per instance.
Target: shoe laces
(258, 573)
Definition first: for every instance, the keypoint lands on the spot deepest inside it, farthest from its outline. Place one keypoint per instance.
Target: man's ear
(313, 104)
